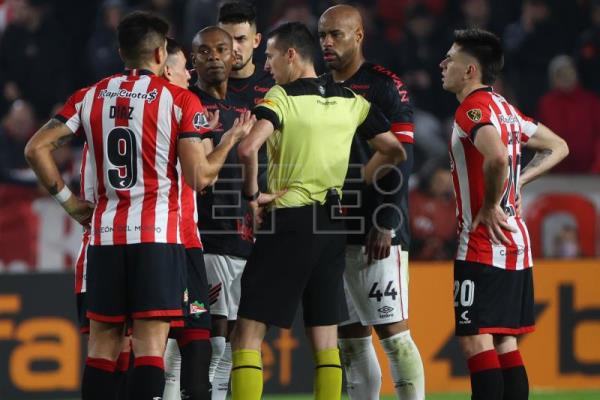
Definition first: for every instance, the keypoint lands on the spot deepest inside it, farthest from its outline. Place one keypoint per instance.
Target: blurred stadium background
(49, 48)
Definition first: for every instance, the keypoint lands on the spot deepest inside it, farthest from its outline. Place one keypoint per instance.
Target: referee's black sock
(194, 345)
(99, 381)
(148, 378)
(487, 382)
(516, 384)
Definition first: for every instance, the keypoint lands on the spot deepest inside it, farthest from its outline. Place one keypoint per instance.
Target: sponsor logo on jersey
(321, 90)
(474, 114)
(266, 102)
(149, 97)
(508, 119)
(261, 89)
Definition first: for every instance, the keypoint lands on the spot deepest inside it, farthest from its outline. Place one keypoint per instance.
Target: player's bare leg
(484, 366)
(516, 383)
(148, 341)
(328, 368)
(363, 373)
(103, 349)
(247, 374)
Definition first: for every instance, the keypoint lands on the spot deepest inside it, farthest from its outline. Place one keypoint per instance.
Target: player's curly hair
(486, 48)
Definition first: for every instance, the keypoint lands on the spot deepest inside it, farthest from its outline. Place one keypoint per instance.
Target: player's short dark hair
(173, 47)
(139, 34)
(486, 48)
(297, 36)
(237, 12)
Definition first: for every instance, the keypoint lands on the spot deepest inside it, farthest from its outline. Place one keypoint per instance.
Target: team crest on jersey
(200, 121)
(197, 308)
(474, 114)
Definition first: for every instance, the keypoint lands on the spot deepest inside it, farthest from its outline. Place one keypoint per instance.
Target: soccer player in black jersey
(224, 220)
(376, 276)
(247, 79)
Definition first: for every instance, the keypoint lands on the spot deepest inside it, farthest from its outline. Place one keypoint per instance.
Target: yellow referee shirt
(314, 122)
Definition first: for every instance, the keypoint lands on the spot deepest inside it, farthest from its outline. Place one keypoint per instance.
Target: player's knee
(354, 331)
(218, 326)
(388, 330)
(475, 344)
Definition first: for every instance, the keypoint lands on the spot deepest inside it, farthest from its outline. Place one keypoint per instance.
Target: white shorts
(376, 294)
(224, 274)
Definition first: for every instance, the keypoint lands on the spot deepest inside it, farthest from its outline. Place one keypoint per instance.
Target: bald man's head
(341, 34)
(212, 54)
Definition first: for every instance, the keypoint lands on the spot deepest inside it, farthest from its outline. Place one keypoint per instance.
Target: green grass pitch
(583, 395)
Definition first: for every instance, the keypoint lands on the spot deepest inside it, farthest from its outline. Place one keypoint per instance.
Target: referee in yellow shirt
(308, 124)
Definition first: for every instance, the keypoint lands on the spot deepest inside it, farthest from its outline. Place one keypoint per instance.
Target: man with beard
(223, 218)
(376, 275)
(238, 18)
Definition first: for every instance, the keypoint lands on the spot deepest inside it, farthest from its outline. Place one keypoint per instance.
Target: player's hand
(495, 220)
(378, 244)
(79, 210)
(213, 119)
(242, 126)
(258, 206)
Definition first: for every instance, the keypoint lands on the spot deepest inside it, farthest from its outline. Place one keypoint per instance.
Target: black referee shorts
(492, 300)
(301, 260)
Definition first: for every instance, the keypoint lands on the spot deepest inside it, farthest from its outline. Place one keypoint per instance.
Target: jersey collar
(138, 72)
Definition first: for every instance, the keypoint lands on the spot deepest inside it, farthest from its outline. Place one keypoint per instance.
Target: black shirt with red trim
(385, 202)
(224, 219)
(251, 89)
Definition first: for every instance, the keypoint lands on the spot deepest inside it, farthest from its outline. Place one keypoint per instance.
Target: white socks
(220, 383)
(363, 374)
(172, 359)
(406, 365)
(217, 345)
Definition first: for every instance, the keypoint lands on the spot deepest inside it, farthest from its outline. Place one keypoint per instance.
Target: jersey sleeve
(273, 107)
(393, 99)
(373, 121)
(69, 114)
(192, 121)
(472, 115)
(529, 126)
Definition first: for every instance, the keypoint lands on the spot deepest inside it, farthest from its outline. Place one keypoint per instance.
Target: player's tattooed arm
(550, 150)
(38, 153)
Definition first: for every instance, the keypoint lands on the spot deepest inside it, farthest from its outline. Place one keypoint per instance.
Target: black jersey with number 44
(385, 202)
(224, 219)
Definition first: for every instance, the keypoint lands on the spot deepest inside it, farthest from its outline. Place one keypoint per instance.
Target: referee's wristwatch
(251, 197)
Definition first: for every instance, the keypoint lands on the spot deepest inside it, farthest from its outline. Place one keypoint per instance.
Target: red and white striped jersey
(86, 192)
(485, 107)
(190, 235)
(132, 122)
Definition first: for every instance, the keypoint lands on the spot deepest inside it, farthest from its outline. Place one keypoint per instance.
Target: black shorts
(297, 261)
(144, 280)
(84, 321)
(197, 313)
(492, 300)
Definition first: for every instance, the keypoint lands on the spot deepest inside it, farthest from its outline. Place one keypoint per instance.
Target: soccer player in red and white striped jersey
(493, 283)
(137, 127)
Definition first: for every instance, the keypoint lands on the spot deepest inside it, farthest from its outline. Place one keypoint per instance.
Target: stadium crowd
(552, 58)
